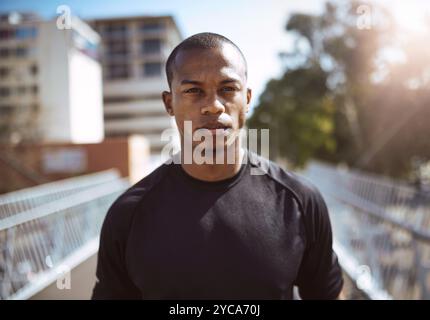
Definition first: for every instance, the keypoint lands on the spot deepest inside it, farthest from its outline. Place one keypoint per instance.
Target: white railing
(381, 231)
(43, 227)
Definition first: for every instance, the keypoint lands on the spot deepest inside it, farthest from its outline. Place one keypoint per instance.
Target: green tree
(300, 124)
(341, 99)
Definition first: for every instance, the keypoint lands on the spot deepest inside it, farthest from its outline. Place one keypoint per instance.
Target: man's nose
(213, 105)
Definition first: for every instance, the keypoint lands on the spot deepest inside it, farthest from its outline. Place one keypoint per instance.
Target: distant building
(50, 81)
(134, 51)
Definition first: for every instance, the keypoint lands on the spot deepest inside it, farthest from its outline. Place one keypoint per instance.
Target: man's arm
(113, 281)
(320, 275)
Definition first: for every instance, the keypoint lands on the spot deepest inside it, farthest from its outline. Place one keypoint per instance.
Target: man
(215, 230)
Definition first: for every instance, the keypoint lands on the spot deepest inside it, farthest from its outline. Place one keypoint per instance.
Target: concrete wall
(71, 96)
(54, 117)
(86, 101)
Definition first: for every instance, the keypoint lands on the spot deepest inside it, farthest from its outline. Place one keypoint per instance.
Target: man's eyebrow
(186, 81)
(196, 82)
(229, 80)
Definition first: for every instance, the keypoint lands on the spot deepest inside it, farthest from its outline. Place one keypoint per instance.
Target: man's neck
(216, 171)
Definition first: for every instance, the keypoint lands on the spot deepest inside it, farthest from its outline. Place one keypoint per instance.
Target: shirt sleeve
(113, 281)
(320, 276)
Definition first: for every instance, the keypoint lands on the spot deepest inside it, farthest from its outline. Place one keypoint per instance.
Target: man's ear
(167, 99)
(248, 98)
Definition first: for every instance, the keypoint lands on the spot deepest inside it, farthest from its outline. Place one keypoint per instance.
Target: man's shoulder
(305, 192)
(125, 205)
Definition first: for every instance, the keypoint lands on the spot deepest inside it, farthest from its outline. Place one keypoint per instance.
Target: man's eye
(227, 89)
(193, 90)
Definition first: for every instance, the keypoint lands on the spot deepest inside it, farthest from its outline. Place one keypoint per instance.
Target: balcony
(136, 88)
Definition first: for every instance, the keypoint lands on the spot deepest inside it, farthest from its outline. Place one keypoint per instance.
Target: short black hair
(204, 40)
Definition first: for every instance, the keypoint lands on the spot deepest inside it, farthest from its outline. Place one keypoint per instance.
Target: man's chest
(219, 244)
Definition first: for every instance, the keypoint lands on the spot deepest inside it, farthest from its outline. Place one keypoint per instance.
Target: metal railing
(28, 198)
(381, 231)
(43, 226)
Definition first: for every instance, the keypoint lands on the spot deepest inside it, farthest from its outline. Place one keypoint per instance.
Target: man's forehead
(221, 74)
(224, 61)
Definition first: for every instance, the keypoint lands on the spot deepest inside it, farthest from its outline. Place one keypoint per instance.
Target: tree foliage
(342, 100)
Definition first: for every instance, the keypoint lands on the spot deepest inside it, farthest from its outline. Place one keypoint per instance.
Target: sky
(256, 26)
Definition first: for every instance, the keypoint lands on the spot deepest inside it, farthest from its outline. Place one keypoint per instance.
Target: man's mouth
(217, 128)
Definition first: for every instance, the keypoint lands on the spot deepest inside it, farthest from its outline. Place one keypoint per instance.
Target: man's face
(209, 89)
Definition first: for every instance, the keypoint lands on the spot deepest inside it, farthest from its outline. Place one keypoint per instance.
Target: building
(133, 54)
(46, 162)
(50, 81)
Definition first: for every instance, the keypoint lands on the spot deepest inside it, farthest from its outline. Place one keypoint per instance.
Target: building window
(4, 52)
(4, 72)
(34, 89)
(25, 32)
(150, 46)
(6, 110)
(117, 71)
(152, 27)
(115, 30)
(120, 116)
(4, 92)
(152, 69)
(6, 34)
(116, 48)
(33, 69)
(21, 52)
(21, 90)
